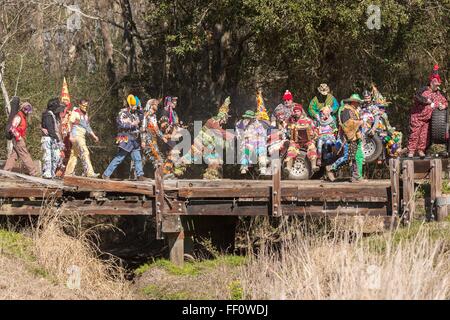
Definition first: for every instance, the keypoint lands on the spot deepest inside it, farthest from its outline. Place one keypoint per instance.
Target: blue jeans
(342, 160)
(118, 159)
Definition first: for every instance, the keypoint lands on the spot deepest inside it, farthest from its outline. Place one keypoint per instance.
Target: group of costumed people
(147, 135)
(325, 124)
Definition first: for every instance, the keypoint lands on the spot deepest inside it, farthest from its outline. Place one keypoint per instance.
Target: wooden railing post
(168, 227)
(436, 212)
(277, 210)
(394, 168)
(409, 206)
(159, 201)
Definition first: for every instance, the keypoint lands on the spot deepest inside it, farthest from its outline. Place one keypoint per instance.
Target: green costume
(315, 106)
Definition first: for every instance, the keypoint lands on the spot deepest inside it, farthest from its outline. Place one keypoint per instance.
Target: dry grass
(315, 264)
(57, 253)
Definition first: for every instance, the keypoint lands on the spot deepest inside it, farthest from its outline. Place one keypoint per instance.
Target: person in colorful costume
(80, 126)
(351, 135)
(128, 139)
(18, 133)
(376, 121)
(171, 125)
(170, 105)
(211, 137)
(252, 135)
(325, 99)
(300, 121)
(65, 130)
(51, 141)
(151, 133)
(283, 111)
(327, 130)
(426, 100)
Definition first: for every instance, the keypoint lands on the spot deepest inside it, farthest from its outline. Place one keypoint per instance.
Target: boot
(330, 173)
(314, 166)
(319, 162)
(421, 154)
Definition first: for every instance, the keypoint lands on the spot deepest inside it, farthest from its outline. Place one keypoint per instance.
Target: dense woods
(203, 51)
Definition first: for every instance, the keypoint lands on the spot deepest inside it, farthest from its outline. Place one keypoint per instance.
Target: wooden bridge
(168, 201)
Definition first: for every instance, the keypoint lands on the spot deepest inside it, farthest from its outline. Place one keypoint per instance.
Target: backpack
(15, 106)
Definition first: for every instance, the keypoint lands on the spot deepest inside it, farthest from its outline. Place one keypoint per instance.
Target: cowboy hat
(249, 115)
(354, 98)
(324, 89)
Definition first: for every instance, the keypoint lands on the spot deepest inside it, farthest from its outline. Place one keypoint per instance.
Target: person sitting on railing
(300, 123)
(327, 130)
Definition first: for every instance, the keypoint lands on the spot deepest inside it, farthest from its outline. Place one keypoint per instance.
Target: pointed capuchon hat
(224, 109)
(434, 76)
(261, 111)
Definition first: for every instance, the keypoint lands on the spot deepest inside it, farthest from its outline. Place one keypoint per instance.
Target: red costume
(425, 102)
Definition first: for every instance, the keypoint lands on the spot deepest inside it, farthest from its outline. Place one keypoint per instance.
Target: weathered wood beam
(409, 206)
(159, 201)
(228, 209)
(436, 212)
(394, 169)
(34, 180)
(309, 193)
(277, 210)
(89, 184)
(24, 192)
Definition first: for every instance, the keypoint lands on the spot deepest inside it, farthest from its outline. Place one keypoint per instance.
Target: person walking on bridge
(128, 139)
(52, 142)
(79, 127)
(17, 133)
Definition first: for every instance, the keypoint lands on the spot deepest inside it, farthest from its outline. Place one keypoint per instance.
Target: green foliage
(236, 290)
(16, 245)
(436, 231)
(192, 268)
(157, 293)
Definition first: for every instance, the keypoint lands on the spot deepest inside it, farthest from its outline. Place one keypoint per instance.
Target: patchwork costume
(425, 102)
(150, 135)
(128, 139)
(327, 130)
(376, 121)
(353, 156)
(302, 134)
(325, 100)
(65, 130)
(210, 142)
(252, 138)
(51, 141)
(80, 126)
(170, 125)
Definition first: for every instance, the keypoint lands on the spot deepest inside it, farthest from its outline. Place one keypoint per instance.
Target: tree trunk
(7, 103)
(103, 8)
